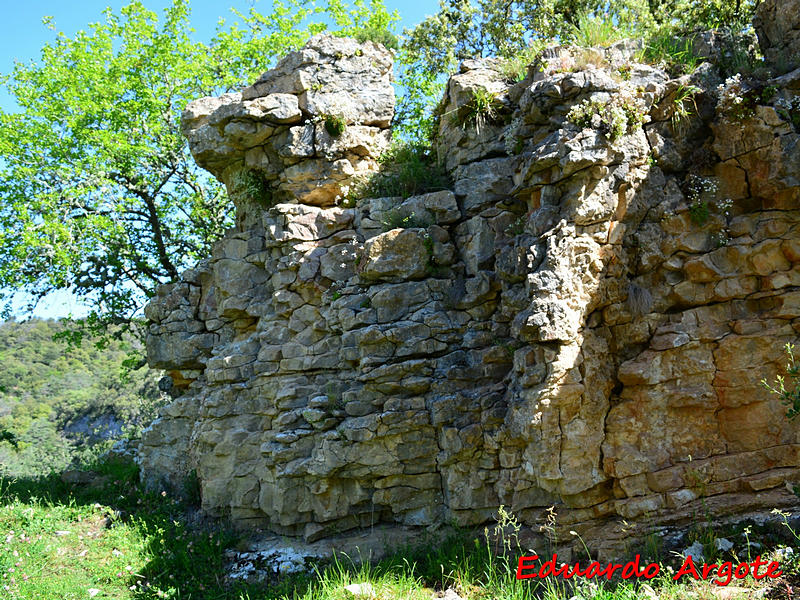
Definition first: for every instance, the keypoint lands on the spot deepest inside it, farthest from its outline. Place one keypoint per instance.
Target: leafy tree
(99, 193)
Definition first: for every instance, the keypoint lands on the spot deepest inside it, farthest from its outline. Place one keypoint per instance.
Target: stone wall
(583, 321)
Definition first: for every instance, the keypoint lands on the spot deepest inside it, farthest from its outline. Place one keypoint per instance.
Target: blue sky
(22, 34)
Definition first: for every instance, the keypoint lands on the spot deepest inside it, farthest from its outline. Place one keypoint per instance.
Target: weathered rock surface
(273, 141)
(777, 24)
(561, 329)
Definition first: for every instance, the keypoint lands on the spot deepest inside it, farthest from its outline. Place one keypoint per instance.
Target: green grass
(118, 541)
(406, 170)
(592, 31)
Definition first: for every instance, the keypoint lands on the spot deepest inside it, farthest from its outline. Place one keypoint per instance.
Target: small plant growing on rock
(676, 54)
(335, 125)
(394, 220)
(251, 185)
(699, 212)
(619, 116)
(788, 390)
(682, 105)
(515, 69)
(592, 31)
(700, 191)
(482, 109)
(379, 35)
(789, 109)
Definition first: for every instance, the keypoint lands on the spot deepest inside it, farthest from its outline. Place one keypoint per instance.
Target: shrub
(379, 36)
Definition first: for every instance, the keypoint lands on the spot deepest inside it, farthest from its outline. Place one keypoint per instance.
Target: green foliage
(515, 30)
(406, 169)
(683, 103)
(131, 543)
(99, 193)
(515, 67)
(483, 108)
(788, 390)
(48, 391)
(335, 125)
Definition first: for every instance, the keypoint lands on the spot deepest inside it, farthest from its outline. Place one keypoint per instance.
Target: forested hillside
(56, 403)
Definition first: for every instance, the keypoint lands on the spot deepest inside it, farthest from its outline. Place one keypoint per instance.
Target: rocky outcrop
(777, 24)
(583, 321)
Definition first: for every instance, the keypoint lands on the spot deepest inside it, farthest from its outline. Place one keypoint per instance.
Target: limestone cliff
(582, 321)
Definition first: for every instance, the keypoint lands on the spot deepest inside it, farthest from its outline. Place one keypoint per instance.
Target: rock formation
(582, 321)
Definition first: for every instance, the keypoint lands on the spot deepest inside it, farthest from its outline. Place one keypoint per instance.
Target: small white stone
(361, 590)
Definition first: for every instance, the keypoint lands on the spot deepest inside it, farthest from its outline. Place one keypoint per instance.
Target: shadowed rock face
(581, 322)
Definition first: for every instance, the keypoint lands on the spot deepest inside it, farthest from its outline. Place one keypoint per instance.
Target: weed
(621, 115)
(515, 68)
(700, 191)
(335, 125)
(682, 104)
(517, 226)
(588, 57)
(366, 303)
(699, 213)
(625, 72)
(719, 239)
(788, 391)
(483, 108)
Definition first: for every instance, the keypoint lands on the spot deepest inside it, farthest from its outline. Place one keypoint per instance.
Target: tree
(99, 193)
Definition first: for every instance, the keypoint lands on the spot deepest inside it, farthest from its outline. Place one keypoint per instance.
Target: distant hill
(57, 403)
